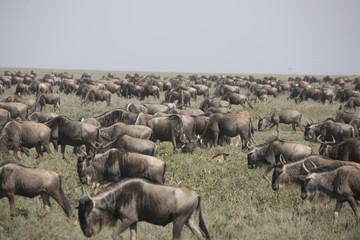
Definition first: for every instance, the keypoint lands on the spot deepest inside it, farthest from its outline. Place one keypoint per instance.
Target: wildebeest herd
(120, 146)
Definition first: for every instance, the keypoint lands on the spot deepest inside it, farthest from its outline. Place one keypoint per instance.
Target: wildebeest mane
(269, 141)
(111, 117)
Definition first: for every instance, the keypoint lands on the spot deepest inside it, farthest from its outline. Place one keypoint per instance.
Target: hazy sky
(300, 36)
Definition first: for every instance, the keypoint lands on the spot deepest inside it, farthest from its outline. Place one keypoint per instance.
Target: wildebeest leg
(351, 200)
(337, 211)
(123, 226)
(302, 128)
(268, 169)
(12, 203)
(63, 150)
(293, 127)
(46, 201)
(173, 140)
(194, 227)
(216, 138)
(178, 224)
(133, 231)
(38, 151)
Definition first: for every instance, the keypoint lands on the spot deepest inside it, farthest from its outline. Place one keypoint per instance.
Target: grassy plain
(237, 202)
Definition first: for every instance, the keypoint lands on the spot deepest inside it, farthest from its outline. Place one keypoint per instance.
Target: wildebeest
(287, 173)
(4, 117)
(333, 131)
(346, 117)
(41, 116)
(97, 95)
(117, 115)
(269, 154)
(138, 131)
(16, 109)
(132, 144)
(347, 150)
(65, 131)
(230, 125)
(150, 90)
(352, 102)
(49, 98)
(277, 116)
(30, 103)
(91, 121)
(16, 179)
(26, 134)
(339, 181)
(170, 128)
(116, 164)
(138, 200)
(207, 103)
(236, 98)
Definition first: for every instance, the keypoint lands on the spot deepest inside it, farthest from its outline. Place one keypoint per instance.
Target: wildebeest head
(308, 186)
(90, 219)
(84, 169)
(263, 123)
(279, 176)
(255, 157)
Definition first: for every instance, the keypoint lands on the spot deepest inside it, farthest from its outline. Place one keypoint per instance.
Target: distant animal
(97, 95)
(277, 116)
(352, 102)
(49, 98)
(207, 103)
(341, 182)
(115, 164)
(117, 115)
(16, 179)
(236, 98)
(138, 131)
(138, 200)
(132, 144)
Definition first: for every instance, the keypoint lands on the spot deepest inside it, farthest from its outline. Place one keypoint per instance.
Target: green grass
(237, 202)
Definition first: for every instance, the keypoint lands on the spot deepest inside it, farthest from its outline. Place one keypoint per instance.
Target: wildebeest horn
(282, 159)
(306, 170)
(313, 164)
(248, 145)
(326, 142)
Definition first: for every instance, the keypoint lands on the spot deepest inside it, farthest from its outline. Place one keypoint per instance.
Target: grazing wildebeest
(170, 128)
(41, 116)
(339, 181)
(277, 116)
(138, 200)
(68, 132)
(138, 131)
(16, 179)
(236, 98)
(207, 103)
(97, 95)
(26, 134)
(230, 125)
(269, 154)
(287, 173)
(116, 164)
(347, 150)
(117, 115)
(352, 102)
(132, 144)
(16, 109)
(49, 98)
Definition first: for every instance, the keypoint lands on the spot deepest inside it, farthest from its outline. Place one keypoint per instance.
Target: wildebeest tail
(163, 175)
(201, 220)
(66, 203)
(248, 102)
